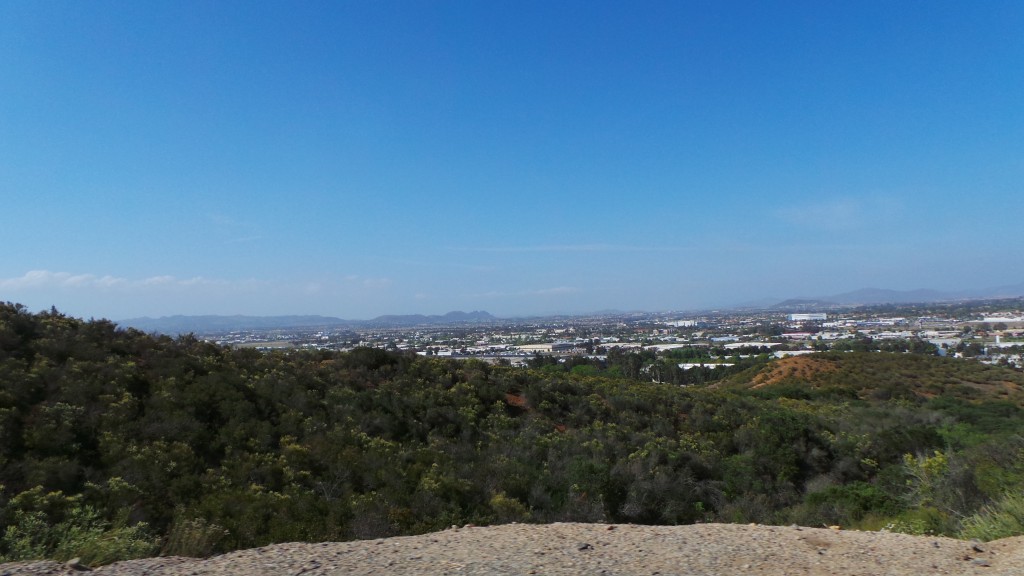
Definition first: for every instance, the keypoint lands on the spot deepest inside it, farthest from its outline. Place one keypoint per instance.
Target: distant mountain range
(203, 324)
(218, 324)
(475, 317)
(873, 296)
(862, 297)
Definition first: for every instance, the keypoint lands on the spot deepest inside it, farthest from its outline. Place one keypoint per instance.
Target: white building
(815, 317)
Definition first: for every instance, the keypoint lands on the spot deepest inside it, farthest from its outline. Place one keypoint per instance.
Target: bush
(507, 509)
(926, 521)
(1001, 519)
(193, 537)
(844, 504)
(82, 534)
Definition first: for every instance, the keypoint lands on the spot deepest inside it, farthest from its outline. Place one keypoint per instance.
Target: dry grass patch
(800, 367)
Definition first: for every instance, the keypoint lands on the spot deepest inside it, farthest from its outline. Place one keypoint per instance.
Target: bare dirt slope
(803, 367)
(598, 549)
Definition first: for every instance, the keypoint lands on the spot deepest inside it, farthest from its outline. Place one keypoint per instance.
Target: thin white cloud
(244, 239)
(836, 214)
(159, 281)
(367, 282)
(45, 279)
(569, 248)
(427, 263)
(233, 230)
(841, 214)
(122, 297)
(556, 291)
(223, 220)
(200, 281)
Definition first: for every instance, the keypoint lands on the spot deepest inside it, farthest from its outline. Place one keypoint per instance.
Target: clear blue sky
(362, 158)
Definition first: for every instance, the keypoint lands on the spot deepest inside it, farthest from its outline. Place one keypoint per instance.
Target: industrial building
(815, 317)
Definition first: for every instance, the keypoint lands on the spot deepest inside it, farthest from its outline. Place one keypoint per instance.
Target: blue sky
(363, 158)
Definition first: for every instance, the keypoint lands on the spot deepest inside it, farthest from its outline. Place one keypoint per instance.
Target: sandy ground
(595, 549)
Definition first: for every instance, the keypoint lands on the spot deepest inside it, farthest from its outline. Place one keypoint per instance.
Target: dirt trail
(571, 549)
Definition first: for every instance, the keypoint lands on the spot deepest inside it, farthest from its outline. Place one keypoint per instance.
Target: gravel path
(594, 549)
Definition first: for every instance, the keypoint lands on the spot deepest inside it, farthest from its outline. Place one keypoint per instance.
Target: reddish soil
(802, 367)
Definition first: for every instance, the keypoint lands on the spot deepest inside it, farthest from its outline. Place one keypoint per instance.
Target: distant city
(989, 331)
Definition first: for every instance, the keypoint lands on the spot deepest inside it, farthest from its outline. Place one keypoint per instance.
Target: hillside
(117, 444)
(174, 325)
(881, 376)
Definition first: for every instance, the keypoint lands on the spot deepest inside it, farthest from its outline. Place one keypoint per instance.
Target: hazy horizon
(355, 159)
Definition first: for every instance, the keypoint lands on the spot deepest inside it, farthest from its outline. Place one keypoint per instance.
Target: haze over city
(363, 158)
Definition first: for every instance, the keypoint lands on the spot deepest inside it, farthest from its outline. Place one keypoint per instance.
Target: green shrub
(507, 509)
(1001, 519)
(193, 537)
(926, 521)
(82, 534)
(844, 504)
